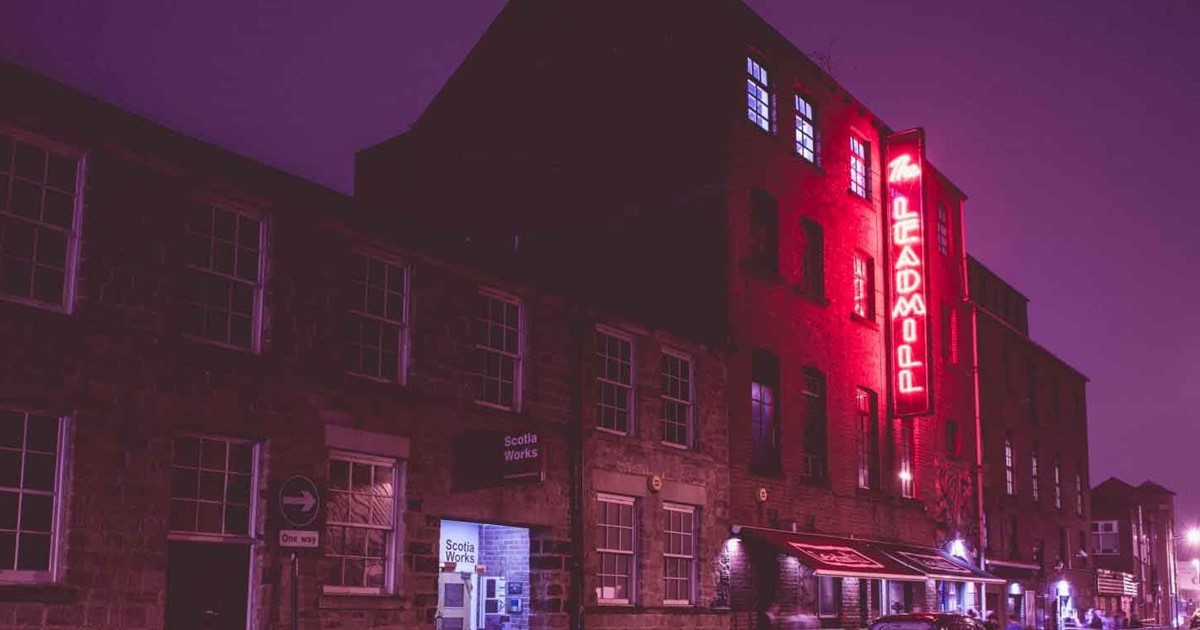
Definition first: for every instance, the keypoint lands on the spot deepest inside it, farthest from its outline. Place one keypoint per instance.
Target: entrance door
(454, 601)
(206, 585)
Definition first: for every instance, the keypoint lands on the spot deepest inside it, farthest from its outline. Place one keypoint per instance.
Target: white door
(454, 601)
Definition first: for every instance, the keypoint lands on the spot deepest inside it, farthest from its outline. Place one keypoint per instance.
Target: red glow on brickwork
(909, 312)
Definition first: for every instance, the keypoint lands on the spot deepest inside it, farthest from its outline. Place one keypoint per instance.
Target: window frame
(1078, 494)
(404, 324)
(764, 361)
(812, 244)
(239, 210)
(1057, 484)
(392, 574)
(602, 381)
(764, 249)
(943, 228)
(255, 471)
(868, 439)
(907, 459)
(1010, 473)
(692, 581)
(518, 384)
(810, 119)
(756, 84)
(863, 270)
(860, 167)
(1099, 536)
(690, 424)
(56, 562)
(1034, 475)
(836, 587)
(631, 599)
(814, 465)
(74, 235)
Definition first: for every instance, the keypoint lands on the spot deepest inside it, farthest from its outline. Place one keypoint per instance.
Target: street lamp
(1193, 536)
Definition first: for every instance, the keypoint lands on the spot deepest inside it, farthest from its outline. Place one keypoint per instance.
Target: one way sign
(299, 501)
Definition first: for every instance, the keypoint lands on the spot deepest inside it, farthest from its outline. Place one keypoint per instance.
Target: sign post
(298, 502)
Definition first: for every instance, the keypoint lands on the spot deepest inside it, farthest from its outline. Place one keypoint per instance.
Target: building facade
(1035, 461)
(1133, 533)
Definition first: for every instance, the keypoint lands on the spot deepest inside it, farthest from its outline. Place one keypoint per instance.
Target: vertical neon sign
(911, 383)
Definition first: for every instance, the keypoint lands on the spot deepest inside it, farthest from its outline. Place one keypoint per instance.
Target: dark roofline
(1008, 284)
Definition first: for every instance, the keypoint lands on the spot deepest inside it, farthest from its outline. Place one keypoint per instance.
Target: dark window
(764, 413)
(953, 439)
(829, 596)
(816, 426)
(1010, 481)
(764, 232)
(223, 290)
(868, 438)
(378, 318)
(1033, 474)
(943, 229)
(864, 286)
(947, 333)
(812, 258)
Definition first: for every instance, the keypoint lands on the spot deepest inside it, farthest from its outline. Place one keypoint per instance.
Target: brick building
(1133, 533)
(1035, 460)
(185, 330)
(703, 171)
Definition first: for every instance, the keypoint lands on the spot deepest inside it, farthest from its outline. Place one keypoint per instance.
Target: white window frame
(860, 167)
(259, 286)
(391, 575)
(689, 404)
(758, 89)
(633, 554)
(74, 240)
(403, 323)
(1010, 477)
(54, 572)
(255, 454)
(806, 129)
(603, 381)
(1099, 535)
(691, 558)
(518, 384)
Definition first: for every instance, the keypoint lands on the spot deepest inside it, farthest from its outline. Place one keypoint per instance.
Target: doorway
(484, 578)
(207, 585)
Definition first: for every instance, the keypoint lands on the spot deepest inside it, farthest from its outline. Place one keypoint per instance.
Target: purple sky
(1067, 123)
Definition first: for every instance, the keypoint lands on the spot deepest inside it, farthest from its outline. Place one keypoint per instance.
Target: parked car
(927, 621)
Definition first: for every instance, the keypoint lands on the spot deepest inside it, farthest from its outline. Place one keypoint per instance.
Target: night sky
(1071, 126)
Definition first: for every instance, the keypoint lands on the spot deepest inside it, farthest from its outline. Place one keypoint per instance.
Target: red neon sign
(910, 320)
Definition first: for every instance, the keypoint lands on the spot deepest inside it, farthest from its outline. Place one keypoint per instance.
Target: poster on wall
(459, 544)
(909, 295)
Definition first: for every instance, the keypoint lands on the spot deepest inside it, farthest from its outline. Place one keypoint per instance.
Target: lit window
(677, 399)
(1079, 494)
(758, 95)
(223, 291)
(943, 229)
(679, 554)
(615, 536)
(868, 439)
(1057, 487)
(764, 233)
(378, 319)
(39, 222)
(1106, 540)
(814, 464)
(31, 495)
(360, 524)
(764, 413)
(498, 343)
(614, 354)
(212, 486)
(860, 162)
(1033, 474)
(1010, 482)
(806, 135)
(812, 258)
(864, 286)
(908, 485)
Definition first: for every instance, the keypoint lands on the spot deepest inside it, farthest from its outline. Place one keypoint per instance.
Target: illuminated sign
(908, 296)
(836, 555)
(937, 564)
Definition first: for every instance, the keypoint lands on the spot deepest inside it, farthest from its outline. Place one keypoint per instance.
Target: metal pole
(295, 592)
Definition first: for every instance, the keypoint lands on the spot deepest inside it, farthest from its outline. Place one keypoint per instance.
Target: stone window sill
(334, 601)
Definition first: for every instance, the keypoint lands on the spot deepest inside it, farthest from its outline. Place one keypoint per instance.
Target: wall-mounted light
(1014, 589)
(1064, 588)
(905, 475)
(958, 548)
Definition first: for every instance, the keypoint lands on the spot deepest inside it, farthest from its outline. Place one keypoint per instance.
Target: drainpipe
(575, 470)
(966, 283)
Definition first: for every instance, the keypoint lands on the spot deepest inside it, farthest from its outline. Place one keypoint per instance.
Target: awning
(938, 564)
(1012, 571)
(833, 555)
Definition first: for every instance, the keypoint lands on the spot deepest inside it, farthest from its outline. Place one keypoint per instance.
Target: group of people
(1096, 621)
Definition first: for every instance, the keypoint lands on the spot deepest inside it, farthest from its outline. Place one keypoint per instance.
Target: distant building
(1035, 460)
(1134, 533)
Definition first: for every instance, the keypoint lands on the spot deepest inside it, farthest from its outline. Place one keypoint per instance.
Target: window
(949, 338)
(812, 258)
(816, 426)
(677, 398)
(360, 543)
(829, 596)
(614, 380)
(378, 319)
(40, 202)
(864, 286)
(1010, 482)
(31, 495)
(1057, 487)
(223, 291)
(498, 342)
(1033, 474)
(908, 485)
(679, 554)
(1079, 494)
(943, 229)
(615, 535)
(764, 413)
(953, 440)
(806, 134)
(212, 486)
(758, 95)
(764, 233)
(1106, 540)
(860, 163)
(868, 438)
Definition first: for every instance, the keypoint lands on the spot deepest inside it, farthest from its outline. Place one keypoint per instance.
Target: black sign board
(485, 459)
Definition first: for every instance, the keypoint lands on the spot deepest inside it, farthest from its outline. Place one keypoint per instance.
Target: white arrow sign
(306, 501)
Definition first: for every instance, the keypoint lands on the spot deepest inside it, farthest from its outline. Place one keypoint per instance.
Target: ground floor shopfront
(1041, 600)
